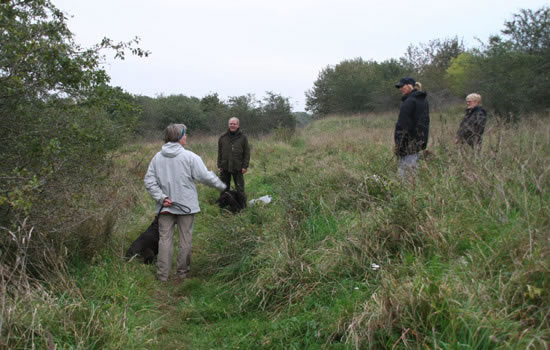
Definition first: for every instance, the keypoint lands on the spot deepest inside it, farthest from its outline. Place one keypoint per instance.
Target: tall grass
(346, 255)
(69, 292)
(463, 251)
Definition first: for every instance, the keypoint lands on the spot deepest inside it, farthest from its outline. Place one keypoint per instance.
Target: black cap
(405, 81)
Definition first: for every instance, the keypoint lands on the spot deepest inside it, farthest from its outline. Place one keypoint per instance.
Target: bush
(61, 122)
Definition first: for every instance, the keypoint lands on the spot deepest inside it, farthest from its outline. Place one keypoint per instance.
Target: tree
(429, 63)
(179, 109)
(319, 99)
(59, 118)
(510, 71)
(512, 81)
(276, 112)
(344, 88)
(459, 74)
(216, 113)
(529, 31)
(248, 110)
(434, 55)
(385, 96)
(354, 86)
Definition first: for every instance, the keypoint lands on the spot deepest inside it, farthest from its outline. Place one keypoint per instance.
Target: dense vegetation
(463, 254)
(59, 121)
(210, 114)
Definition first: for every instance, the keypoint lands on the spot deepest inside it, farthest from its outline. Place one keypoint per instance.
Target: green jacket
(233, 152)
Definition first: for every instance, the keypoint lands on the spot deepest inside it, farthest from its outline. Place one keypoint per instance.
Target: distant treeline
(210, 114)
(510, 71)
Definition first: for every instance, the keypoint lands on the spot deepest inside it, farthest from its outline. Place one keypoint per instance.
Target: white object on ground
(264, 199)
(374, 266)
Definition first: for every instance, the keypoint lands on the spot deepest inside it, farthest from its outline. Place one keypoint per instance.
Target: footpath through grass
(346, 256)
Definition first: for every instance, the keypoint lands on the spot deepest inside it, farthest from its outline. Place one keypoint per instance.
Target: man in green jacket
(233, 158)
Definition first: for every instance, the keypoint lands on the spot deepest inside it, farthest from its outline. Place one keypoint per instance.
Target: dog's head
(148, 255)
(230, 199)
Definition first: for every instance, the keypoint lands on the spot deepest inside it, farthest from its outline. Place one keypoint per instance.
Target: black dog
(146, 245)
(232, 200)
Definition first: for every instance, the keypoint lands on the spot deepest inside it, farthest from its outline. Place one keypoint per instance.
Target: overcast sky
(236, 47)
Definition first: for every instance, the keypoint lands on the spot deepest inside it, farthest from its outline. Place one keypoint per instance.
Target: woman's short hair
(474, 97)
(174, 132)
(418, 86)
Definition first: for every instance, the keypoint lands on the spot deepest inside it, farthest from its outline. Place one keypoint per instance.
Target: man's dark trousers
(238, 178)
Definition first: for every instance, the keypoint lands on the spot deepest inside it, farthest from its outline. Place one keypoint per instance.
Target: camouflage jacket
(472, 126)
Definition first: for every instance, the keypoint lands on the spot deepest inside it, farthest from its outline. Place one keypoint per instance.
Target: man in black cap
(412, 127)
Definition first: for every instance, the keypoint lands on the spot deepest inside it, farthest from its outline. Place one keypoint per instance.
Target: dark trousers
(238, 179)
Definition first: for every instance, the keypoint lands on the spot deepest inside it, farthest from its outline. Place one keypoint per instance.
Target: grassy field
(345, 257)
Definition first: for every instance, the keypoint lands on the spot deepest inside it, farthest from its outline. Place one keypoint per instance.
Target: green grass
(463, 252)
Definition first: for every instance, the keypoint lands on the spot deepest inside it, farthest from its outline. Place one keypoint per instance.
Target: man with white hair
(234, 158)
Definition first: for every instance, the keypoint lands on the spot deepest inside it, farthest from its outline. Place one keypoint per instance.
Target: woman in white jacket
(170, 179)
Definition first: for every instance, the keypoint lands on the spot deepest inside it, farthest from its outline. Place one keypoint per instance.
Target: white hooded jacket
(172, 173)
